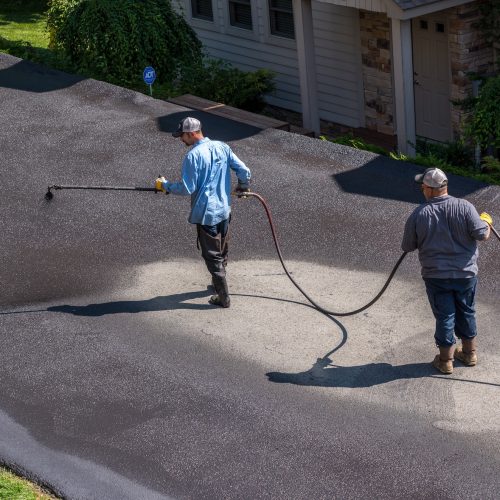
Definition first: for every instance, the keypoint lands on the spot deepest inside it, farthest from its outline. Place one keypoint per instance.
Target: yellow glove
(159, 184)
(487, 218)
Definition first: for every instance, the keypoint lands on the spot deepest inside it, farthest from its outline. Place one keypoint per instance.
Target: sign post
(149, 76)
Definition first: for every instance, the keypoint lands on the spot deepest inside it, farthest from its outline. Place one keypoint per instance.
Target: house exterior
(388, 65)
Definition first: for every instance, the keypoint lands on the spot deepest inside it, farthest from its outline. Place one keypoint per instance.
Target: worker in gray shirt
(445, 230)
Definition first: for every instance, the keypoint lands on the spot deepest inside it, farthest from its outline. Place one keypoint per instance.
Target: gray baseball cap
(189, 124)
(432, 177)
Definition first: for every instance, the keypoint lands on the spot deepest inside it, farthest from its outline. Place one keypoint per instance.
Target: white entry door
(432, 71)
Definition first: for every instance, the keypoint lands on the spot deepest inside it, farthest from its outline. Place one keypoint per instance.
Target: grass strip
(13, 487)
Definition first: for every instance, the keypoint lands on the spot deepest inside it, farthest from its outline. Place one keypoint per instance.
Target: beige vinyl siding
(338, 64)
(337, 47)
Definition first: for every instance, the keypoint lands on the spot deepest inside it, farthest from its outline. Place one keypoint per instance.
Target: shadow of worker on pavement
(324, 374)
(160, 303)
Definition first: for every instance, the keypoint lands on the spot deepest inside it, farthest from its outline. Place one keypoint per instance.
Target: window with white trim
(281, 18)
(240, 14)
(202, 9)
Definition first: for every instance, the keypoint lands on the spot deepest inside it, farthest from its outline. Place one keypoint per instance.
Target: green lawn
(14, 488)
(24, 21)
(23, 32)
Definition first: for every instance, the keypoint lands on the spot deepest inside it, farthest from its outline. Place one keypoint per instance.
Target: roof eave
(430, 8)
(393, 10)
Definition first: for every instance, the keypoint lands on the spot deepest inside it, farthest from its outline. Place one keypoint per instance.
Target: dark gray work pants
(213, 242)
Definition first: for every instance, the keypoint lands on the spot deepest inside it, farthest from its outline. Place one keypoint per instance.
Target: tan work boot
(466, 353)
(444, 360)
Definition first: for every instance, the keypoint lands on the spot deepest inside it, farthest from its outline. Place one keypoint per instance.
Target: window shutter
(240, 13)
(202, 9)
(281, 18)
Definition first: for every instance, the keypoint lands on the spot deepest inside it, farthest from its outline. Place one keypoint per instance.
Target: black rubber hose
(317, 306)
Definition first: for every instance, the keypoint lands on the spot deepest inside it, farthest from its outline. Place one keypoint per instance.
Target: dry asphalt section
(118, 380)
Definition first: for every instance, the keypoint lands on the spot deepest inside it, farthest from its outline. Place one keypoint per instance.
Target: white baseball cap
(189, 124)
(432, 177)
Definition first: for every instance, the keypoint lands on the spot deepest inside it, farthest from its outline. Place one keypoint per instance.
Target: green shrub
(491, 166)
(356, 142)
(219, 81)
(116, 40)
(58, 12)
(483, 125)
(457, 153)
(489, 21)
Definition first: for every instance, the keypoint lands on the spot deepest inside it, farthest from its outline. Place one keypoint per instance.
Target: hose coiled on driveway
(315, 304)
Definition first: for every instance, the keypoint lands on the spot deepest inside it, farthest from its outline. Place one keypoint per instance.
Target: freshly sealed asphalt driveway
(118, 380)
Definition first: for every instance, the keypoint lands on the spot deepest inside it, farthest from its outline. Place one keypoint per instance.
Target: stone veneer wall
(375, 32)
(468, 52)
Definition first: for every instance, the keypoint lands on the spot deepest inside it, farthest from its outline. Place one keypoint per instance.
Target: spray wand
(49, 194)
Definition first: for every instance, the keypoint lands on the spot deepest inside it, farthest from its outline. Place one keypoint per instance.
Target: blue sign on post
(149, 76)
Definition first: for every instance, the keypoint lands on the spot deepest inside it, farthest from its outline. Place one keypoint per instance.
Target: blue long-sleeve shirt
(206, 176)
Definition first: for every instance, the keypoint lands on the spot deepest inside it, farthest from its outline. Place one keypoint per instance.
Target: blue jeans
(452, 303)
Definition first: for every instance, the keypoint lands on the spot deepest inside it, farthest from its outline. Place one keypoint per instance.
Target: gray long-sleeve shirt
(445, 230)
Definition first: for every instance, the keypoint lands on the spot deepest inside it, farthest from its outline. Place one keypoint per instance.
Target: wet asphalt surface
(113, 406)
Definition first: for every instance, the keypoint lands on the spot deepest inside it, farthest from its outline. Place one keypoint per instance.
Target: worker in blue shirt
(206, 176)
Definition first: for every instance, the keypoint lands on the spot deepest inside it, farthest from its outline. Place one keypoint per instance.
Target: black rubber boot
(211, 287)
(222, 298)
